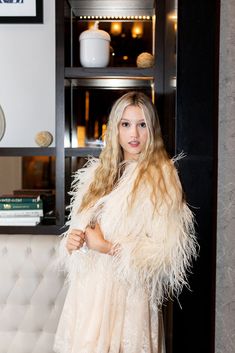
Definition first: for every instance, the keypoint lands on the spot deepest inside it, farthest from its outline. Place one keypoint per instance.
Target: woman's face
(133, 133)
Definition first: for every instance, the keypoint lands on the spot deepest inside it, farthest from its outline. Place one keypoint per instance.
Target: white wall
(27, 79)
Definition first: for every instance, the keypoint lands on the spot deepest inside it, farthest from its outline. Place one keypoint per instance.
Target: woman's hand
(75, 240)
(95, 240)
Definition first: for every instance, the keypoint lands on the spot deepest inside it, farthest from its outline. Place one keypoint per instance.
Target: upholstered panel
(31, 293)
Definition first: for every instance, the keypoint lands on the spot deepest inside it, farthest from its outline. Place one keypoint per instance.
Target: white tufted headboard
(31, 293)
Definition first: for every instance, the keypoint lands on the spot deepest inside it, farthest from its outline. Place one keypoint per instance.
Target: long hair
(150, 161)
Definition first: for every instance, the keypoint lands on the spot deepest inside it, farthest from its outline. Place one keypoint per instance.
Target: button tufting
(28, 251)
(16, 276)
(39, 276)
(30, 296)
(4, 250)
(52, 251)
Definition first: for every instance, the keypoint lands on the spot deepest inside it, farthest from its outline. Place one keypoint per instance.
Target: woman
(128, 210)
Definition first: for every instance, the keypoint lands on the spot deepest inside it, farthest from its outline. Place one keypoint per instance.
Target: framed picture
(21, 11)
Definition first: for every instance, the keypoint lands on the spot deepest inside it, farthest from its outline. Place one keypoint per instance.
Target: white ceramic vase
(94, 47)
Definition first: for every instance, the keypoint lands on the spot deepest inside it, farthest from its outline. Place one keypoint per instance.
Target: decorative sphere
(43, 138)
(145, 60)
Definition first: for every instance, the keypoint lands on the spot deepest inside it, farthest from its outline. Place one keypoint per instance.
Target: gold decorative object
(43, 138)
(145, 60)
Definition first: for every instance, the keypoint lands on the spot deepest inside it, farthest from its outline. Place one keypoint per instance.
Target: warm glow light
(116, 28)
(125, 57)
(96, 130)
(173, 82)
(104, 128)
(91, 24)
(81, 135)
(173, 16)
(87, 105)
(137, 30)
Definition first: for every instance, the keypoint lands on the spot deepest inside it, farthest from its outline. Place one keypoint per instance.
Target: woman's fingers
(75, 239)
(76, 232)
(76, 242)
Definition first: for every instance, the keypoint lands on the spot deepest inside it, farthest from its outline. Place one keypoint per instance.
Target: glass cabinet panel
(130, 24)
(87, 109)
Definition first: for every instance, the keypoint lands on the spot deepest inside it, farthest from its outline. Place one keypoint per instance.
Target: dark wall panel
(196, 135)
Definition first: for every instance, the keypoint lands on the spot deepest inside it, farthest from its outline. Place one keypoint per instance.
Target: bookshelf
(73, 81)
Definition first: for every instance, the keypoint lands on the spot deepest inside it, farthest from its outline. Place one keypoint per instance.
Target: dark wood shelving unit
(39, 229)
(27, 151)
(82, 152)
(109, 72)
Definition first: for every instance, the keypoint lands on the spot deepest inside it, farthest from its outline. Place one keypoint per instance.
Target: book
(33, 192)
(6, 198)
(46, 195)
(21, 205)
(21, 213)
(19, 221)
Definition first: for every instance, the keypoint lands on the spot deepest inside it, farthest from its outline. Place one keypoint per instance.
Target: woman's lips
(134, 143)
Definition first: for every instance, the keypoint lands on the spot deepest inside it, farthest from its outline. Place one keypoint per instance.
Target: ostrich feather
(156, 245)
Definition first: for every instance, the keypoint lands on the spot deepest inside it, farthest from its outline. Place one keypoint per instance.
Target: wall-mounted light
(137, 30)
(173, 16)
(81, 135)
(116, 28)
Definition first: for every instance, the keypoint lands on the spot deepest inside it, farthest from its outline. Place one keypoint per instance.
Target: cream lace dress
(100, 315)
(109, 307)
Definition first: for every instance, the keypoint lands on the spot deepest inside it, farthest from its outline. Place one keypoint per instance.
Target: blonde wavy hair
(151, 162)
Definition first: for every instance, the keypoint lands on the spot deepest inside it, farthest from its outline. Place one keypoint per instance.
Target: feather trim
(159, 260)
(81, 181)
(154, 250)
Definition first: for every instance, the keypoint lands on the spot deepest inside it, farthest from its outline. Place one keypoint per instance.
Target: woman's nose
(134, 131)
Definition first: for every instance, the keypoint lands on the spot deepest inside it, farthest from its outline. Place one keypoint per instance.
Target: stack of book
(20, 210)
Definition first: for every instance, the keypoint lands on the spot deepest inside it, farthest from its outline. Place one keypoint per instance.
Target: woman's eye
(143, 124)
(125, 124)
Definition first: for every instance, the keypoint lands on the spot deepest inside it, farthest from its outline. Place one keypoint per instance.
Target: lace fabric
(103, 315)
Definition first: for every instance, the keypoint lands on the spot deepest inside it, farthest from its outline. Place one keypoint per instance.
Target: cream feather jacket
(156, 249)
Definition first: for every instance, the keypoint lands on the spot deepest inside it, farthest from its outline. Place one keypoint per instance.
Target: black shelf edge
(109, 72)
(82, 152)
(27, 151)
(39, 229)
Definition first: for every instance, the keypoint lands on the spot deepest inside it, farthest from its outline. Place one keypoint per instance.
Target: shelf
(69, 152)
(109, 72)
(112, 7)
(27, 151)
(82, 152)
(40, 229)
